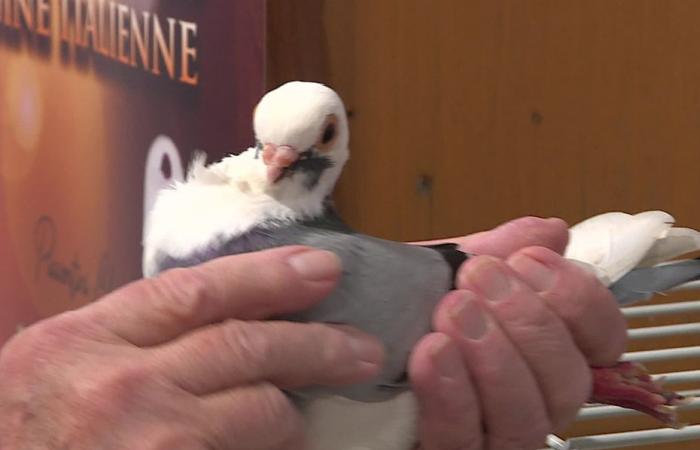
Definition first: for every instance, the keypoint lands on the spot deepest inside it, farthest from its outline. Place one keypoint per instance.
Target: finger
(513, 411)
(450, 416)
(253, 417)
(503, 240)
(247, 286)
(287, 354)
(542, 339)
(587, 307)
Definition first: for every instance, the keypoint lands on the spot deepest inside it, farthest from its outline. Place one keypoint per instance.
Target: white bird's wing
(615, 243)
(676, 242)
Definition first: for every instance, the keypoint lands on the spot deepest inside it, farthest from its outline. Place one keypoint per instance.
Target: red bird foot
(629, 385)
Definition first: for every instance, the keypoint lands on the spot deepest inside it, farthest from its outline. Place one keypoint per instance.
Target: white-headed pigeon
(278, 193)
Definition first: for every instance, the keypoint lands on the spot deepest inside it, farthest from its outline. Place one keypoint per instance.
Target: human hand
(509, 360)
(182, 361)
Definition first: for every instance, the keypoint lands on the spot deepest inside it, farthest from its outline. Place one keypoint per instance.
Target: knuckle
(249, 341)
(525, 222)
(553, 233)
(112, 391)
(128, 378)
(275, 408)
(576, 294)
(533, 319)
(538, 322)
(181, 294)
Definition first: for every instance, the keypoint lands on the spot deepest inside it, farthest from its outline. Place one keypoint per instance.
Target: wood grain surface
(465, 114)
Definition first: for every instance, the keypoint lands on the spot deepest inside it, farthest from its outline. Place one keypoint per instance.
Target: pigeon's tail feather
(643, 283)
(676, 242)
(452, 255)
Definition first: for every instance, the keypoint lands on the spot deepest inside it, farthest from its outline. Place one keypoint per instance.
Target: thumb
(511, 236)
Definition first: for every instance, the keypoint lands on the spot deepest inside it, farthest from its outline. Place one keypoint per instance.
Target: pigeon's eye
(328, 133)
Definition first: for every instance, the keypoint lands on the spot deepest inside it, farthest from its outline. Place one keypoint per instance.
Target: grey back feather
(387, 289)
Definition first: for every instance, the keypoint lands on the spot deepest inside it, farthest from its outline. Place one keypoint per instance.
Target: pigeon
(279, 193)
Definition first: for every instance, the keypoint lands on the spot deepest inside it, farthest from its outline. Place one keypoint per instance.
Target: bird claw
(629, 385)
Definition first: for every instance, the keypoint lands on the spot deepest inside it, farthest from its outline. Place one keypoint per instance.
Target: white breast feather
(227, 199)
(220, 201)
(337, 423)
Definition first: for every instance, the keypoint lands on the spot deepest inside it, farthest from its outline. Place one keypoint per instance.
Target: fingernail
(446, 359)
(539, 276)
(491, 280)
(468, 315)
(366, 349)
(315, 265)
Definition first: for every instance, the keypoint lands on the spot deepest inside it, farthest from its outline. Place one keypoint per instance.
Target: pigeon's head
(302, 138)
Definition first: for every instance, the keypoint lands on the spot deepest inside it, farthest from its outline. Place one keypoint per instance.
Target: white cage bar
(664, 330)
(692, 306)
(663, 354)
(629, 439)
(691, 377)
(606, 411)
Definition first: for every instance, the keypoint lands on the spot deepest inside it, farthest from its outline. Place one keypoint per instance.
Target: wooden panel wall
(465, 114)
(468, 113)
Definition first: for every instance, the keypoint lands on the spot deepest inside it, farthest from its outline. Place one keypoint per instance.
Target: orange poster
(101, 105)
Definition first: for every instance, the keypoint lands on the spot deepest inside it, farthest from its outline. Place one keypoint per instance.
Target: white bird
(277, 193)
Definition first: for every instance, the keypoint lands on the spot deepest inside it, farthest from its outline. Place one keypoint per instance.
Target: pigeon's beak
(278, 158)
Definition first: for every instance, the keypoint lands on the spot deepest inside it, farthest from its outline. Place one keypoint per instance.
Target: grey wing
(643, 283)
(266, 235)
(389, 290)
(260, 238)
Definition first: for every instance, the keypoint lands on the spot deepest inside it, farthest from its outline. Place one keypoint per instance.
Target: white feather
(677, 242)
(336, 423)
(219, 201)
(615, 243)
(228, 198)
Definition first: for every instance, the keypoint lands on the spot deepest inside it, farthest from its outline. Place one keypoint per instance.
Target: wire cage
(665, 336)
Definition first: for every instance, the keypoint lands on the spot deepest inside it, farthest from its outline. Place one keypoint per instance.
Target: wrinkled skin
(541, 316)
(188, 361)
